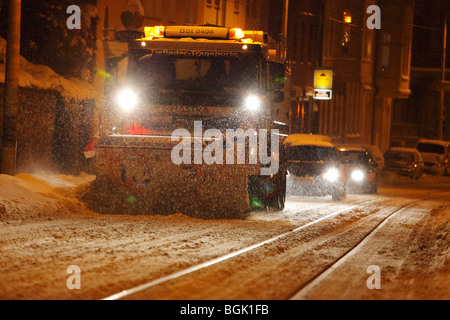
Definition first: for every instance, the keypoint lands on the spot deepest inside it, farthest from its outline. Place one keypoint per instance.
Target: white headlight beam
(127, 100)
(332, 175)
(253, 103)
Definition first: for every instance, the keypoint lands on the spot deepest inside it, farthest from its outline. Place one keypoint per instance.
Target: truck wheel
(278, 202)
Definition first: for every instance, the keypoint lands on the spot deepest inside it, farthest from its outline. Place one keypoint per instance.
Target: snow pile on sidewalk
(43, 77)
(430, 182)
(28, 197)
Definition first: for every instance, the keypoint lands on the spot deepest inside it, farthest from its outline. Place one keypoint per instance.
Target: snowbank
(28, 197)
(426, 182)
(43, 77)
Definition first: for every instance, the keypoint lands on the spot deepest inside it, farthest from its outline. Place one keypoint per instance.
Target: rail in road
(155, 282)
(308, 287)
(381, 216)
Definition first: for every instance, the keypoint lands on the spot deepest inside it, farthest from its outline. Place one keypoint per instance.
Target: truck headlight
(358, 175)
(127, 100)
(332, 175)
(252, 103)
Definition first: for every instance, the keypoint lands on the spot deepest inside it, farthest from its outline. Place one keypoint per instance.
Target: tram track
(309, 286)
(377, 219)
(125, 294)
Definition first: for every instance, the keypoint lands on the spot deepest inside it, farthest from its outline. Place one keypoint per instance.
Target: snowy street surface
(45, 228)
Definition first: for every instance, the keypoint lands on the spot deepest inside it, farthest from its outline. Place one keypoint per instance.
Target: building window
(346, 34)
(187, 18)
(172, 12)
(152, 8)
(236, 6)
(309, 45)
(254, 8)
(345, 40)
(295, 43)
(251, 9)
(302, 42)
(386, 52)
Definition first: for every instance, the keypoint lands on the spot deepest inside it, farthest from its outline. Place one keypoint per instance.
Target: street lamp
(284, 30)
(443, 70)
(11, 107)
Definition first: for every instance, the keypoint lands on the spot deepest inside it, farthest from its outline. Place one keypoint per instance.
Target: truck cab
(197, 80)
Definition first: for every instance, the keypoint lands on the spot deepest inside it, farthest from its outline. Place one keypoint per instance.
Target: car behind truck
(314, 167)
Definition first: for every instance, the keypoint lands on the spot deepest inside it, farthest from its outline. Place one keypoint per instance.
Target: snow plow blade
(136, 175)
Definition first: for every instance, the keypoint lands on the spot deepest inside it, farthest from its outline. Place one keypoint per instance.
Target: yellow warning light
(154, 32)
(236, 34)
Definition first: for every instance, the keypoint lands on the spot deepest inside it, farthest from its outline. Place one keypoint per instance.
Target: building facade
(417, 117)
(371, 67)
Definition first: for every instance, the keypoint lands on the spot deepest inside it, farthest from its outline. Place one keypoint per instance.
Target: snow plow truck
(189, 125)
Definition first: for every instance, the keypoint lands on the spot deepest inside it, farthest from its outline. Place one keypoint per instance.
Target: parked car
(360, 168)
(404, 161)
(314, 167)
(436, 156)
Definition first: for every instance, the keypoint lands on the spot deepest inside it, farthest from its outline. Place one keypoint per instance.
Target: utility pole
(11, 106)
(443, 70)
(284, 30)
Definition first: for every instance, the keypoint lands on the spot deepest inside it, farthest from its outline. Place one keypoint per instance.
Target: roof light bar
(236, 34)
(154, 32)
(194, 32)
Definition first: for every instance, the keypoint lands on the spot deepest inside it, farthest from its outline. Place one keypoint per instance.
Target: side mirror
(112, 73)
(278, 97)
(277, 75)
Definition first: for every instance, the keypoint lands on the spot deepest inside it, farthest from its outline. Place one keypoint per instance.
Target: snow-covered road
(45, 229)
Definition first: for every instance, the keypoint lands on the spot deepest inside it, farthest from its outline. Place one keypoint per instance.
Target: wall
(52, 132)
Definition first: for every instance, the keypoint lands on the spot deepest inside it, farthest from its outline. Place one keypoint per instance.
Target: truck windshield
(354, 157)
(192, 74)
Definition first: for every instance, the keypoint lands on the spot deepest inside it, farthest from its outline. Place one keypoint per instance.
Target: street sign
(322, 94)
(323, 84)
(323, 79)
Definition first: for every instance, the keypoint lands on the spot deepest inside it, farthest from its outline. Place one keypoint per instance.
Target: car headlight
(127, 100)
(358, 175)
(252, 103)
(332, 175)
